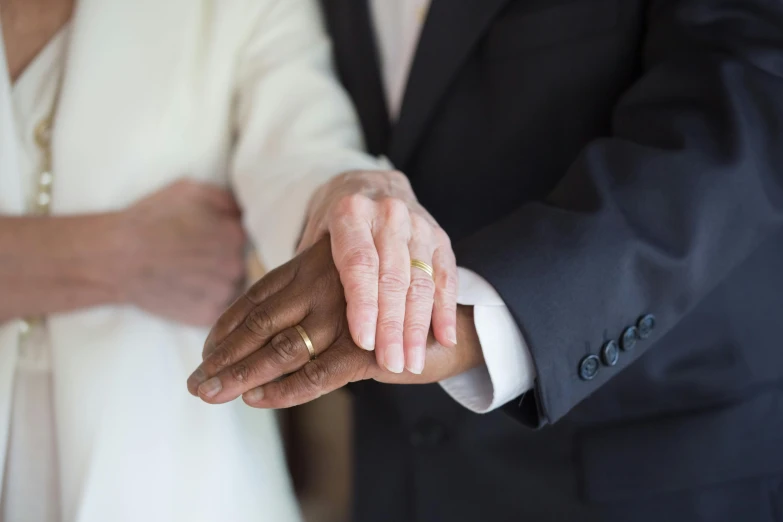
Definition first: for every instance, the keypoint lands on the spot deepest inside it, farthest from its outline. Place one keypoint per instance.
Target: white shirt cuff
(508, 371)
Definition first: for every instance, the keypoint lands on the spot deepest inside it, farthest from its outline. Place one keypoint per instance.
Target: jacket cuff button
(645, 325)
(629, 338)
(610, 353)
(589, 367)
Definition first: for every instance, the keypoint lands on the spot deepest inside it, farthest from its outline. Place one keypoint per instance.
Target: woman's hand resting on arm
(187, 252)
(178, 253)
(377, 228)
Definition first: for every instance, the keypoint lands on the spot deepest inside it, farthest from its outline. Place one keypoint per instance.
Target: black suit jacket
(597, 161)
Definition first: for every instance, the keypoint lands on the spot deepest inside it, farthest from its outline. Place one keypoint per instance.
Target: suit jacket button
(589, 367)
(629, 338)
(645, 325)
(610, 353)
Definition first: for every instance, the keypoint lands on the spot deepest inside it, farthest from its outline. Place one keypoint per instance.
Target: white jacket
(237, 92)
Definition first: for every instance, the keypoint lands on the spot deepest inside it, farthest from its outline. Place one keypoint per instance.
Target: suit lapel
(356, 56)
(451, 31)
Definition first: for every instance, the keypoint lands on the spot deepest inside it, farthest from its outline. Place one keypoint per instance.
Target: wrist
(468, 340)
(375, 184)
(118, 253)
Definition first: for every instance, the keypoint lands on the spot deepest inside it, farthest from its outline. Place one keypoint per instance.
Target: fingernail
(367, 337)
(197, 377)
(210, 388)
(395, 359)
(254, 395)
(451, 335)
(416, 365)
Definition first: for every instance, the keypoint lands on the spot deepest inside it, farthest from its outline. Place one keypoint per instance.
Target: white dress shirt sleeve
(508, 371)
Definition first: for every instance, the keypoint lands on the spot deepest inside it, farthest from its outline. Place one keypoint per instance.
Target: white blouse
(30, 488)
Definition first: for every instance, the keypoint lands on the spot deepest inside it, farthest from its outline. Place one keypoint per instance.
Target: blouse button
(24, 327)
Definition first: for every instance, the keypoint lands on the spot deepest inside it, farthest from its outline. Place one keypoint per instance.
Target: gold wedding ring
(424, 267)
(307, 341)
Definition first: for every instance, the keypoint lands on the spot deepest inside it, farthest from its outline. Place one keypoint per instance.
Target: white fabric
(509, 370)
(398, 25)
(31, 489)
(154, 91)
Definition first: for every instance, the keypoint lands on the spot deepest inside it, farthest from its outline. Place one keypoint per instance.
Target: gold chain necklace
(41, 204)
(43, 138)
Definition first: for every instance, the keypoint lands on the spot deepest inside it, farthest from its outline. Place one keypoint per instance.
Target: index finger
(356, 259)
(236, 314)
(339, 365)
(246, 326)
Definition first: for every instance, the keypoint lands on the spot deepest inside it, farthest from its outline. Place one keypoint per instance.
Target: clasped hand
(377, 229)
(255, 350)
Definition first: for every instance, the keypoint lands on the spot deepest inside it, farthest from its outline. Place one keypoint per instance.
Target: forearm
(50, 265)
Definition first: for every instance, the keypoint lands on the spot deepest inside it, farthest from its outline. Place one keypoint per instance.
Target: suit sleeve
(295, 125)
(651, 218)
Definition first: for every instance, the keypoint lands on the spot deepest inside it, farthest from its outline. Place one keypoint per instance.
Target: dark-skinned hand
(254, 349)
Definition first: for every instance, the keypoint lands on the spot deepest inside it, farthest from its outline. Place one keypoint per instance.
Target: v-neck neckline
(42, 61)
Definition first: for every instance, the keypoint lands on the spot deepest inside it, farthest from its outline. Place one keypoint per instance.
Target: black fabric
(357, 64)
(596, 161)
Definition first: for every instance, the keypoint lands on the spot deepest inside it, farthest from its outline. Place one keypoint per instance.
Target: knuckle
(325, 289)
(394, 281)
(421, 228)
(315, 376)
(359, 291)
(446, 301)
(240, 373)
(209, 347)
(260, 322)
(448, 308)
(284, 349)
(442, 237)
(362, 259)
(452, 282)
(448, 283)
(418, 329)
(351, 205)
(255, 289)
(221, 358)
(390, 325)
(363, 302)
(421, 288)
(395, 210)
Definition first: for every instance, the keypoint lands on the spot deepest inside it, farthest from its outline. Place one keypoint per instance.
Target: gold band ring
(307, 341)
(424, 267)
